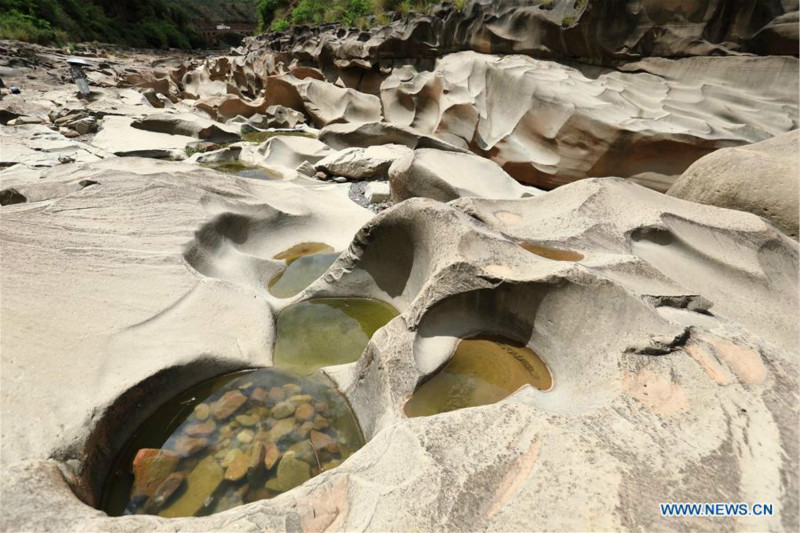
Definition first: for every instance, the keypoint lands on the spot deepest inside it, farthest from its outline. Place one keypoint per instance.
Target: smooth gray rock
(343, 136)
(377, 192)
(760, 178)
(187, 124)
(118, 136)
(445, 176)
(362, 163)
(290, 151)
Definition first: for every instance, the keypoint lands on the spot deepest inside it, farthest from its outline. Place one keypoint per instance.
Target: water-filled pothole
(327, 331)
(243, 171)
(232, 440)
(305, 263)
(483, 370)
(548, 252)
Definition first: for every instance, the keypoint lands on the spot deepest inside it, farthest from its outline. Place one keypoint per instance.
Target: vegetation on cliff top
(136, 23)
(278, 15)
(171, 23)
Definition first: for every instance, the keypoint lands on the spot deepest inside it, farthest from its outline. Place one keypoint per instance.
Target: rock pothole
(483, 370)
(327, 331)
(305, 263)
(235, 439)
(252, 435)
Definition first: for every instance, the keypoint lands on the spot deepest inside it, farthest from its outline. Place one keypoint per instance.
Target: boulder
(221, 155)
(275, 116)
(304, 412)
(85, 126)
(15, 107)
(187, 124)
(20, 121)
(281, 429)
(278, 116)
(307, 169)
(377, 192)
(202, 147)
(362, 163)
(282, 410)
(760, 178)
(11, 196)
(198, 84)
(271, 455)
(157, 80)
(324, 102)
(167, 488)
(188, 446)
(445, 176)
(290, 151)
(342, 136)
(227, 405)
(224, 108)
(152, 98)
(238, 467)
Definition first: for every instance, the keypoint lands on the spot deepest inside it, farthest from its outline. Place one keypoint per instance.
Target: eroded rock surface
(674, 318)
(445, 176)
(669, 328)
(187, 124)
(548, 124)
(594, 32)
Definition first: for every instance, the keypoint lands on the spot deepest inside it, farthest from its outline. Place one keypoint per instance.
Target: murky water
(262, 136)
(305, 263)
(548, 252)
(243, 171)
(232, 440)
(327, 331)
(483, 370)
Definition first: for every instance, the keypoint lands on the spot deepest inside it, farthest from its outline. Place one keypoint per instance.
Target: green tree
(309, 12)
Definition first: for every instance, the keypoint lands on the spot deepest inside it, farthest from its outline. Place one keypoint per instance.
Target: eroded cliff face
(590, 31)
(544, 122)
